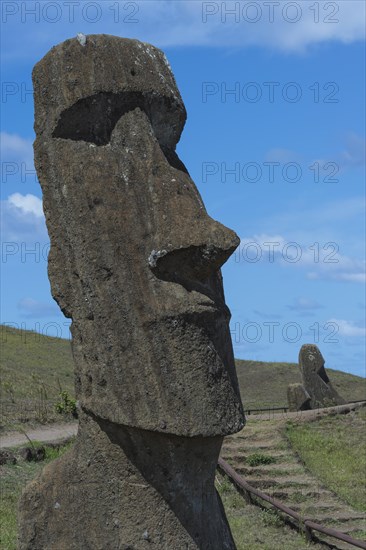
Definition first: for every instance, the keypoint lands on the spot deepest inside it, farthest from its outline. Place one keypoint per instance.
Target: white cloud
(324, 260)
(292, 27)
(304, 304)
(22, 219)
(326, 169)
(264, 238)
(27, 204)
(17, 159)
(346, 328)
(354, 154)
(278, 154)
(345, 209)
(266, 315)
(358, 277)
(337, 21)
(353, 277)
(16, 148)
(317, 219)
(31, 308)
(243, 24)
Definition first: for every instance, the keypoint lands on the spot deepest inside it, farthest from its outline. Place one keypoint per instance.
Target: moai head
(315, 378)
(135, 258)
(311, 360)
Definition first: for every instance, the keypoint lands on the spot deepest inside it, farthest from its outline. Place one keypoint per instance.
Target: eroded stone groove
(135, 263)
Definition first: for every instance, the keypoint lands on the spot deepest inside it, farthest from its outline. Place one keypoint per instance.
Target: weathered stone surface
(134, 256)
(315, 379)
(298, 398)
(135, 262)
(122, 488)
(7, 457)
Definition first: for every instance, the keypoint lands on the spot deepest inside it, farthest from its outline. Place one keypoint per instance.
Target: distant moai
(315, 379)
(298, 398)
(135, 263)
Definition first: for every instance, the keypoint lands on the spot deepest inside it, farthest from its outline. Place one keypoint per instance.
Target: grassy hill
(34, 369)
(265, 384)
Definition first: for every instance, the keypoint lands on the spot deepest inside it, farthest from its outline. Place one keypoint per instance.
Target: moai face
(135, 259)
(311, 356)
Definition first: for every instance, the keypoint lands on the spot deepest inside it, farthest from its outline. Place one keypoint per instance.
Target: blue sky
(275, 142)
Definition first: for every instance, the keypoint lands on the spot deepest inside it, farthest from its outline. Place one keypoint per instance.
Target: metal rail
(285, 408)
(308, 524)
(249, 411)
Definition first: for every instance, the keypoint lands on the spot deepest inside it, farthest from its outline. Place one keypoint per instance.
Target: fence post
(246, 494)
(308, 532)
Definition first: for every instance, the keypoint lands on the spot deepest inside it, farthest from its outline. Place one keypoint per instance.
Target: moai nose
(198, 255)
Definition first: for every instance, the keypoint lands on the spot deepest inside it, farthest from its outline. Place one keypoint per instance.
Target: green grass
(13, 479)
(257, 459)
(254, 528)
(334, 450)
(33, 371)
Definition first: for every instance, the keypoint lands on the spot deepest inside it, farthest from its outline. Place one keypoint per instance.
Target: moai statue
(298, 398)
(315, 379)
(135, 263)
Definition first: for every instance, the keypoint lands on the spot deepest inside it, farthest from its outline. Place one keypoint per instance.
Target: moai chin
(135, 263)
(315, 379)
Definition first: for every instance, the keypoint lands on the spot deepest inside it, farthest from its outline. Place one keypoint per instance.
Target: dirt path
(66, 430)
(43, 433)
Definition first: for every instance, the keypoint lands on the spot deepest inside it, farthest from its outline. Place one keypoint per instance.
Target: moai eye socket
(93, 118)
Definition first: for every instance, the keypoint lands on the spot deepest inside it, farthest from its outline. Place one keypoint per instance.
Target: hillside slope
(265, 384)
(34, 368)
(33, 371)
(28, 358)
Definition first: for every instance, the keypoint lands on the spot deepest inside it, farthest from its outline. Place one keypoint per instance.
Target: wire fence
(282, 408)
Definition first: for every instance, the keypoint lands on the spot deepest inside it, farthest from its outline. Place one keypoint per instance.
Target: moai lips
(135, 263)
